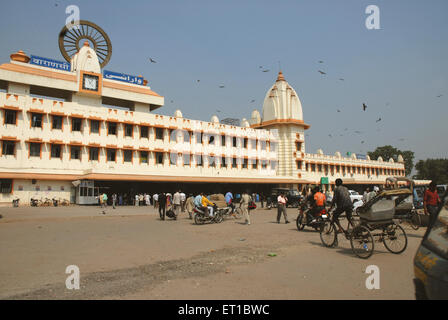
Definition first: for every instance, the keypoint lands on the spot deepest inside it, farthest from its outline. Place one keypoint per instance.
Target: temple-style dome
(255, 117)
(86, 59)
(214, 119)
(178, 114)
(245, 123)
(282, 102)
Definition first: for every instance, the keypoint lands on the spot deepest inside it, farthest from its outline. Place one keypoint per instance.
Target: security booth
(87, 193)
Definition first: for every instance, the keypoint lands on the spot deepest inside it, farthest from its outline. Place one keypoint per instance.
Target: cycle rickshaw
(375, 223)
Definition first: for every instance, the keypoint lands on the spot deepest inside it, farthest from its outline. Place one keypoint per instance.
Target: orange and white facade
(54, 131)
(59, 134)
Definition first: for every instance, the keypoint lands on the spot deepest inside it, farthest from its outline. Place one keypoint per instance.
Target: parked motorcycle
(231, 211)
(15, 203)
(34, 202)
(306, 219)
(200, 217)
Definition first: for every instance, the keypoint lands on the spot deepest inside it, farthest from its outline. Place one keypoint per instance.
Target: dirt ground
(129, 253)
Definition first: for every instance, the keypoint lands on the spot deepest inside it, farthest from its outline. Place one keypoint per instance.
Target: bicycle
(330, 229)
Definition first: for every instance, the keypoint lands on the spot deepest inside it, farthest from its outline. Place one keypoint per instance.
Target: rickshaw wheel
(328, 234)
(361, 241)
(395, 239)
(416, 221)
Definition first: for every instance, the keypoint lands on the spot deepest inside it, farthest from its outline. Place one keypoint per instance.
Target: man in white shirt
(183, 199)
(177, 203)
(155, 200)
(281, 207)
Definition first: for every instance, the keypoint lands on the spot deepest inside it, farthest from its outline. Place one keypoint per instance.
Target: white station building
(71, 134)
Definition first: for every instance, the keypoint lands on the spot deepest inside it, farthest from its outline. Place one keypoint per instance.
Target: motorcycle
(231, 211)
(200, 217)
(34, 202)
(15, 203)
(306, 219)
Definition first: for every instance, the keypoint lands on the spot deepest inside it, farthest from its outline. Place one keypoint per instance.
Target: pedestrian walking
(147, 199)
(140, 199)
(189, 205)
(104, 200)
(168, 199)
(114, 200)
(183, 199)
(162, 205)
(177, 203)
(281, 207)
(155, 199)
(244, 205)
(120, 200)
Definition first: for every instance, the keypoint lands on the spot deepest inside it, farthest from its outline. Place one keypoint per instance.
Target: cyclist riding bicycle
(343, 204)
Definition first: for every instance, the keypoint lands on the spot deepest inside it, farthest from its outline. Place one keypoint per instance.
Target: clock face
(90, 82)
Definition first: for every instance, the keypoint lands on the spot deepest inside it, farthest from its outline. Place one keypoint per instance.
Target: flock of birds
(323, 73)
(364, 108)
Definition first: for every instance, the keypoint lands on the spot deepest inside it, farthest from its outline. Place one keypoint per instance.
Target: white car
(355, 196)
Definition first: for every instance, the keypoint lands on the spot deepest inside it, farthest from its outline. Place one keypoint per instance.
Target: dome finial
(280, 76)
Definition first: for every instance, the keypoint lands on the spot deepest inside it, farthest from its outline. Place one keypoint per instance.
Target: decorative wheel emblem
(70, 41)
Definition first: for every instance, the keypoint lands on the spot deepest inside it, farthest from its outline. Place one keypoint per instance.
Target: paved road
(128, 253)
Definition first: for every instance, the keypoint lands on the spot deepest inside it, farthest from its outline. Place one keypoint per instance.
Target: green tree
(387, 152)
(432, 169)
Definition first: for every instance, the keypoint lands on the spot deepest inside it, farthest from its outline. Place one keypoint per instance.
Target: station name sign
(361, 156)
(50, 63)
(122, 77)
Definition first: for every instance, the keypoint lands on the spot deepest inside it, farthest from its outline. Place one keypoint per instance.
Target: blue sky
(397, 71)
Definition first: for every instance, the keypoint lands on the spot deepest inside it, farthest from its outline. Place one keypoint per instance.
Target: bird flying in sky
(321, 72)
(364, 107)
(267, 70)
(152, 60)
(221, 86)
(379, 119)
